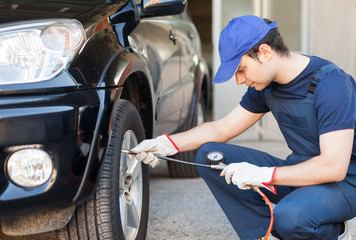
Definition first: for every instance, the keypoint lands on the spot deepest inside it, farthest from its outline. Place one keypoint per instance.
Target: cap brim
(226, 70)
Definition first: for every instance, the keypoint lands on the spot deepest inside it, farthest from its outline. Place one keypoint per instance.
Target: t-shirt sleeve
(335, 104)
(254, 101)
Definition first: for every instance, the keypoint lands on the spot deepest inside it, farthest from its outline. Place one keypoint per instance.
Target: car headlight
(38, 50)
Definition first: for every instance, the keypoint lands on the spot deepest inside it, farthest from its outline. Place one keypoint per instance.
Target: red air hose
(270, 209)
(257, 189)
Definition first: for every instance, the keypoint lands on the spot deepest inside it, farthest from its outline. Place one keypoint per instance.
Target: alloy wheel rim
(131, 189)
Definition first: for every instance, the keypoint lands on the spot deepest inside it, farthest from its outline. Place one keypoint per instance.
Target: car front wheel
(119, 208)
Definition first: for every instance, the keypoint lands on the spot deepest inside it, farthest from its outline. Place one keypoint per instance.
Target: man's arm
(235, 123)
(330, 166)
(222, 130)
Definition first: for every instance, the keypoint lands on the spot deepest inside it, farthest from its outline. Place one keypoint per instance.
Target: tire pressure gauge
(214, 158)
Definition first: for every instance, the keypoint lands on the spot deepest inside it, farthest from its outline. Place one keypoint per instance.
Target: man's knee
(291, 222)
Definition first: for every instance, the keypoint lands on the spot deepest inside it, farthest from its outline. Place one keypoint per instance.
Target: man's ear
(265, 52)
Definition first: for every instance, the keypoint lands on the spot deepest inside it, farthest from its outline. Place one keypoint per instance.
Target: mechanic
(314, 103)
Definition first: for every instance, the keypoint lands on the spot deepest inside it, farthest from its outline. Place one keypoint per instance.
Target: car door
(163, 56)
(186, 35)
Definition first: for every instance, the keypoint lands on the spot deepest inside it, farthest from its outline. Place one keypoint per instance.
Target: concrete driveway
(185, 209)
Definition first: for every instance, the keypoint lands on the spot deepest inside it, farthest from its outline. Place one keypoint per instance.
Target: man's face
(254, 73)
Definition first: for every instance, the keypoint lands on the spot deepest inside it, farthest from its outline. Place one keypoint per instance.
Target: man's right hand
(147, 149)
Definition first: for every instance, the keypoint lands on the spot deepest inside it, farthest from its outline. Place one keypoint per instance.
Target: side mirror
(157, 8)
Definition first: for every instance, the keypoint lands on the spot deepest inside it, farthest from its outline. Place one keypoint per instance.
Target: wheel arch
(136, 90)
(204, 75)
(134, 80)
(202, 88)
(126, 77)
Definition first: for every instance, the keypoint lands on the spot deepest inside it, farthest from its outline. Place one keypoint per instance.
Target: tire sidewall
(126, 118)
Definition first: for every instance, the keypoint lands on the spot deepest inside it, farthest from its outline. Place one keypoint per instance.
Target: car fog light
(29, 167)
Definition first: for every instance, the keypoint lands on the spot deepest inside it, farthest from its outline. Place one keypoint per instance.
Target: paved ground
(184, 209)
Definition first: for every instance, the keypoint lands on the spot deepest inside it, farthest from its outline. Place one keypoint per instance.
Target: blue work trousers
(312, 212)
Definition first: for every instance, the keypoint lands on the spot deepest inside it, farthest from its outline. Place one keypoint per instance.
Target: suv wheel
(119, 208)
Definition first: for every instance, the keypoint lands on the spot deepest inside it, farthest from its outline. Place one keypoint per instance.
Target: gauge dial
(215, 157)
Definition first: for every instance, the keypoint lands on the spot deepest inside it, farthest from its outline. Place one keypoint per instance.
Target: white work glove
(245, 175)
(162, 146)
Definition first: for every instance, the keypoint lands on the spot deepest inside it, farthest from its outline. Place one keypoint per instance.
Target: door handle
(172, 37)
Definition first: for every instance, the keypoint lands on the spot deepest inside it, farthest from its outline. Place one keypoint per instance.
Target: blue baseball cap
(237, 38)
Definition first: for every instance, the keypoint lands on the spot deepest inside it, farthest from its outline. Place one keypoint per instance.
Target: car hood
(11, 11)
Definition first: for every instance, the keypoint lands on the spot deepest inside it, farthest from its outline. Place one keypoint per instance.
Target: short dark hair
(274, 40)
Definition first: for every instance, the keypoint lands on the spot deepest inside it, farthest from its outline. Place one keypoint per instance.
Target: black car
(79, 81)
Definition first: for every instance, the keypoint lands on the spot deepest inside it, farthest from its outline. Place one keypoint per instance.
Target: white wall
(227, 96)
(332, 32)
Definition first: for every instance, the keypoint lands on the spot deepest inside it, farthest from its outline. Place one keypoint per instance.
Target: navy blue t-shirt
(334, 96)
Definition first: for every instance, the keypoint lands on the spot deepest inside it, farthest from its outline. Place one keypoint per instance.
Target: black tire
(178, 170)
(123, 183)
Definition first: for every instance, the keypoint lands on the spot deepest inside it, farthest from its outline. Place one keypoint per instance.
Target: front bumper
(53, 123)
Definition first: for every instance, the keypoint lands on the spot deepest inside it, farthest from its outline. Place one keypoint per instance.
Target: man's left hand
(245, 175)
